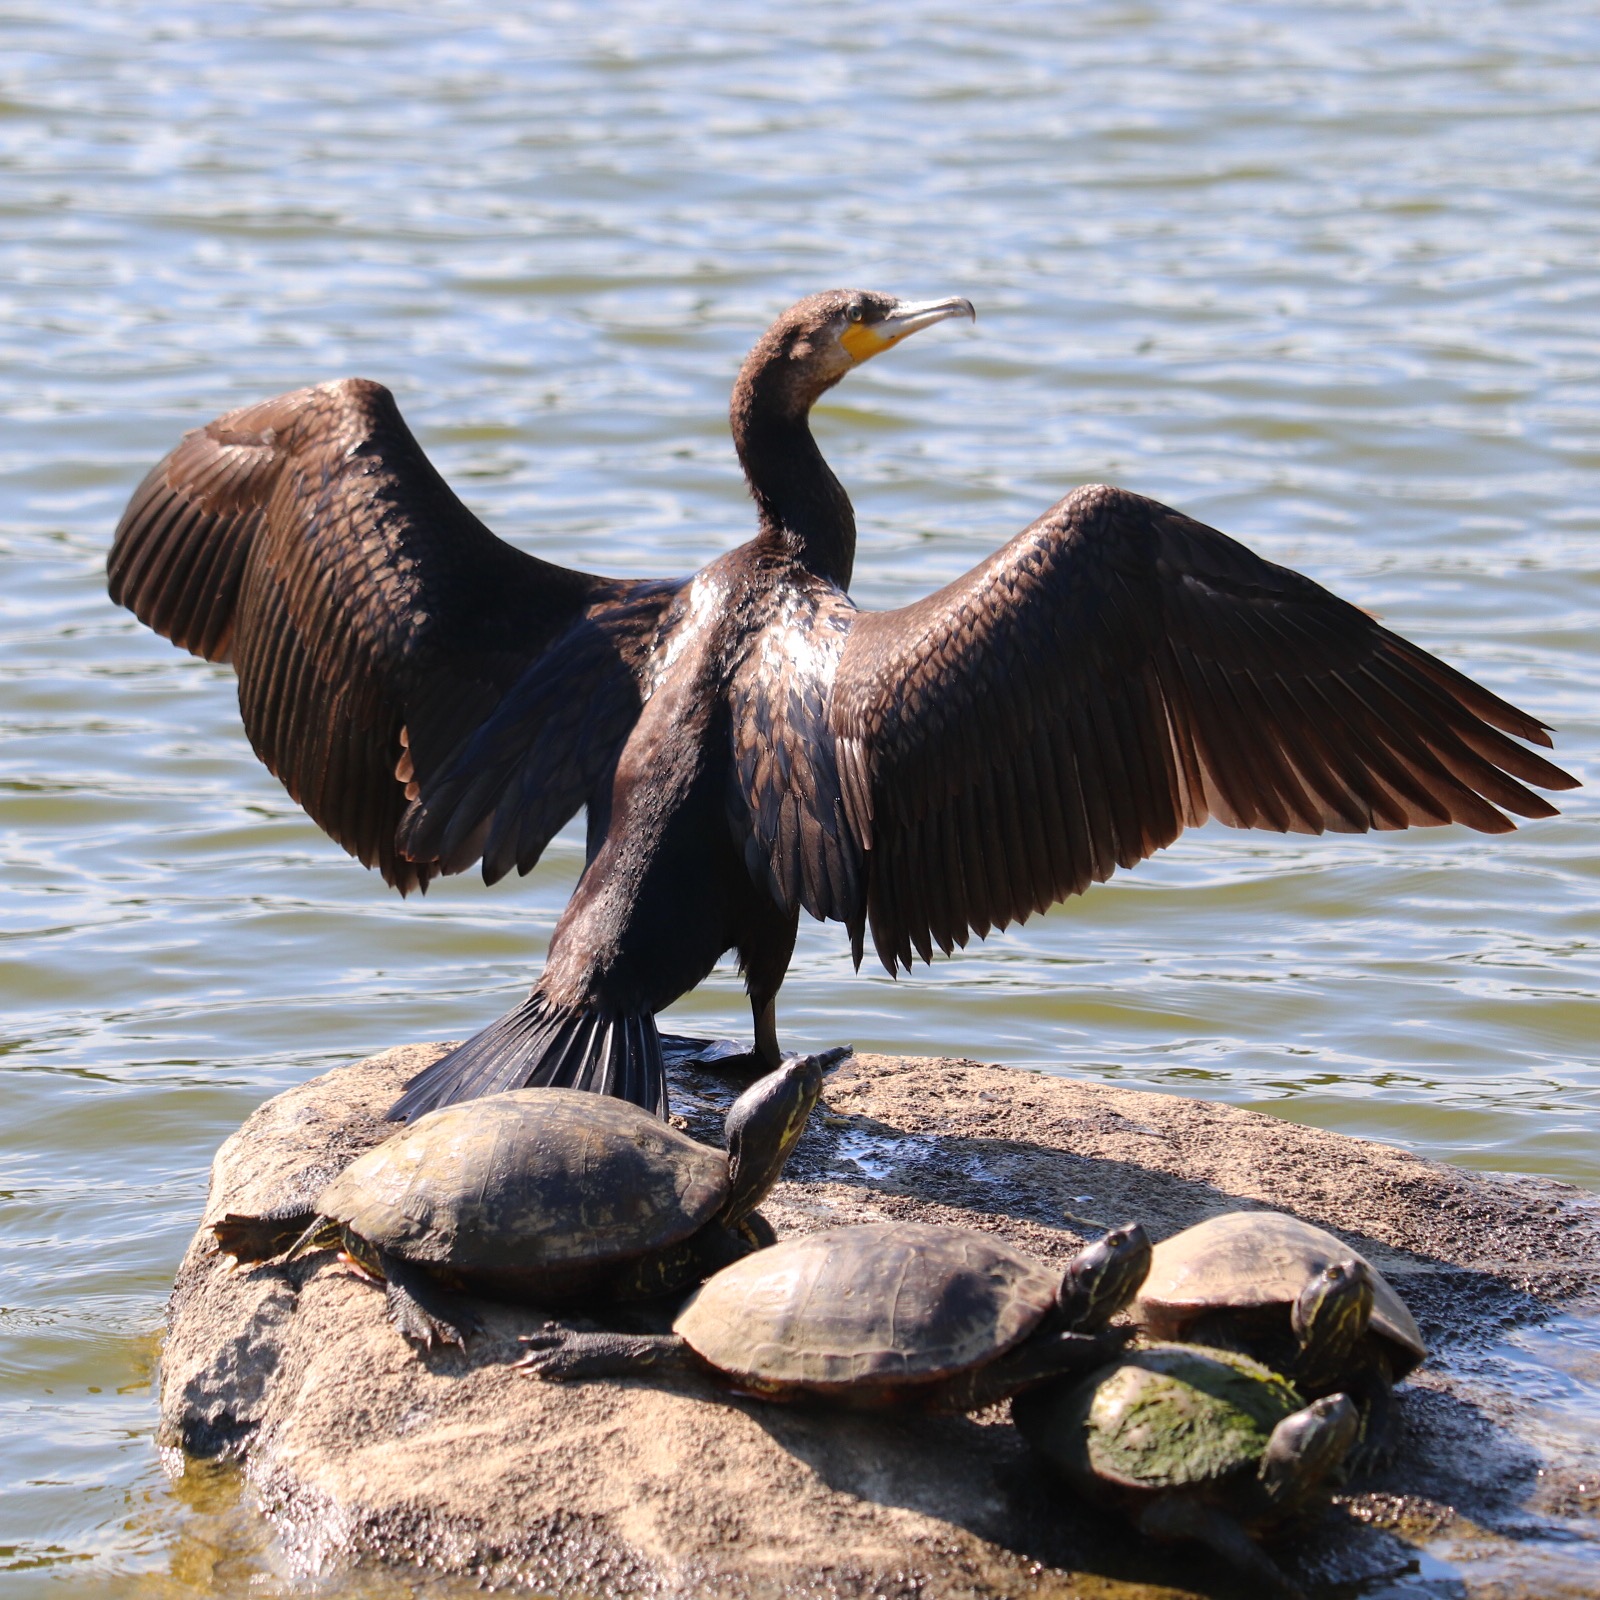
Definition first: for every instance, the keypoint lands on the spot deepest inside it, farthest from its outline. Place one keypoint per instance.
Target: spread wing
(373, 621)
(1116, 674)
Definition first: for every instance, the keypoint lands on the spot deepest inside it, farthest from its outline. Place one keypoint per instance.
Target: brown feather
(1119, 672)
(308, 539)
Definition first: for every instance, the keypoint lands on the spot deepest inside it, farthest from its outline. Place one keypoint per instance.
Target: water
(1322, 275)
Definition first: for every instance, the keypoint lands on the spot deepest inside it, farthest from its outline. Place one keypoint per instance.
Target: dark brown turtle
(1248, 1281)
(545, 1196)
(881, 1314)
(1192, 1443)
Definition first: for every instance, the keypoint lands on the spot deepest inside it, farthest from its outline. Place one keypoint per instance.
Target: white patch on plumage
(705, 598)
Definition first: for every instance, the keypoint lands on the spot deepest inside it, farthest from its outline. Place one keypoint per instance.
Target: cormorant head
(819, 339)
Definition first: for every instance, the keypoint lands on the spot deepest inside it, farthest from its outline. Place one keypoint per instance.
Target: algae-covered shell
(1168, 1416)
(547, 1177)
(1248, 1259)
(873, 1305)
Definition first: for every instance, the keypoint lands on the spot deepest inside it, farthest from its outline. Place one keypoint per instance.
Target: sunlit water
(1321, 274)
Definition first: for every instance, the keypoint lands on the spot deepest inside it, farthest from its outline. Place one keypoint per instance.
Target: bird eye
(855, 311)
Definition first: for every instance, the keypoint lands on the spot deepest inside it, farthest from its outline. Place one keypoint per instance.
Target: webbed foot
(732, 1059)
(720, 1055)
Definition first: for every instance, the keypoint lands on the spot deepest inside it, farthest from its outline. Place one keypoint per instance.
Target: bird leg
(732, 1060)
(726, 1057)
(766, 1054)
(764, 1012)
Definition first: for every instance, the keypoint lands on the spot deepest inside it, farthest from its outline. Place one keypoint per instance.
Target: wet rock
(364, 1451)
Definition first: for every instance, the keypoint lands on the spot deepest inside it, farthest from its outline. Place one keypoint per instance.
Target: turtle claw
(423, 1313)
(544, 1364)
(553, 1354)
(1367, 1456)
(548, 1336)
(422, 1327)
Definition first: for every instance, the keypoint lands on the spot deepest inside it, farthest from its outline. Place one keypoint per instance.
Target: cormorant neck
(803, 508)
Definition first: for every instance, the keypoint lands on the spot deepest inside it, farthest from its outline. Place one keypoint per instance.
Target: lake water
(1320, 274)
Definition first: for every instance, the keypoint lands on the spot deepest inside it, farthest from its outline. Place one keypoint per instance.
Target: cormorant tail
(544, 1045)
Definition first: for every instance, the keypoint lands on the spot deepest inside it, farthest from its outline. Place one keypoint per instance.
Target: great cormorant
(747, 742)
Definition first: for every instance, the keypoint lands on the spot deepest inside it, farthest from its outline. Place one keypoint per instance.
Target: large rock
(362, 1450)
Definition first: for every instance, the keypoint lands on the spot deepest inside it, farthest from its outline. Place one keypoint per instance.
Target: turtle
(1247, 1280)
(878, 1315)
(1192, 1443)
(546, 1196)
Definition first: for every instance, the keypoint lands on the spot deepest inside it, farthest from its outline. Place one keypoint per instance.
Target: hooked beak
(863, 340)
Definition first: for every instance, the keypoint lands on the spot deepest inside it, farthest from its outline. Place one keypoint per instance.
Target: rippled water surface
(1321, 274)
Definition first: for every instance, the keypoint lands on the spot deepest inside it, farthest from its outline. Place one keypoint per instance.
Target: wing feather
(373, 622)
(1118, 673)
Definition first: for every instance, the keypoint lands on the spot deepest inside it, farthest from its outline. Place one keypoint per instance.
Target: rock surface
(364, 1451)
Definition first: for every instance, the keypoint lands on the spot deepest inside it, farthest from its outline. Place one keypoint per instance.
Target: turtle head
(763, 1125)
(1101, 1280)
(1307, 1449)
(1331, 1315)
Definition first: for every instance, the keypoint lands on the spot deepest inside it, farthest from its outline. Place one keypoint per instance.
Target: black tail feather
(544, 1045)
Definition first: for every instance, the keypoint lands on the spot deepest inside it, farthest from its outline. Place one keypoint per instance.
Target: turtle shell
(1248, 1259)
(1168, 1416)
(870, 1306)
(547, 1178)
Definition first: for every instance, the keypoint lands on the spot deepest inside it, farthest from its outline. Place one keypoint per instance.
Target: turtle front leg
(1035, 1360)
(421, 1310)
(687, 1265)
(1176, 1516)
(560, 1355)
